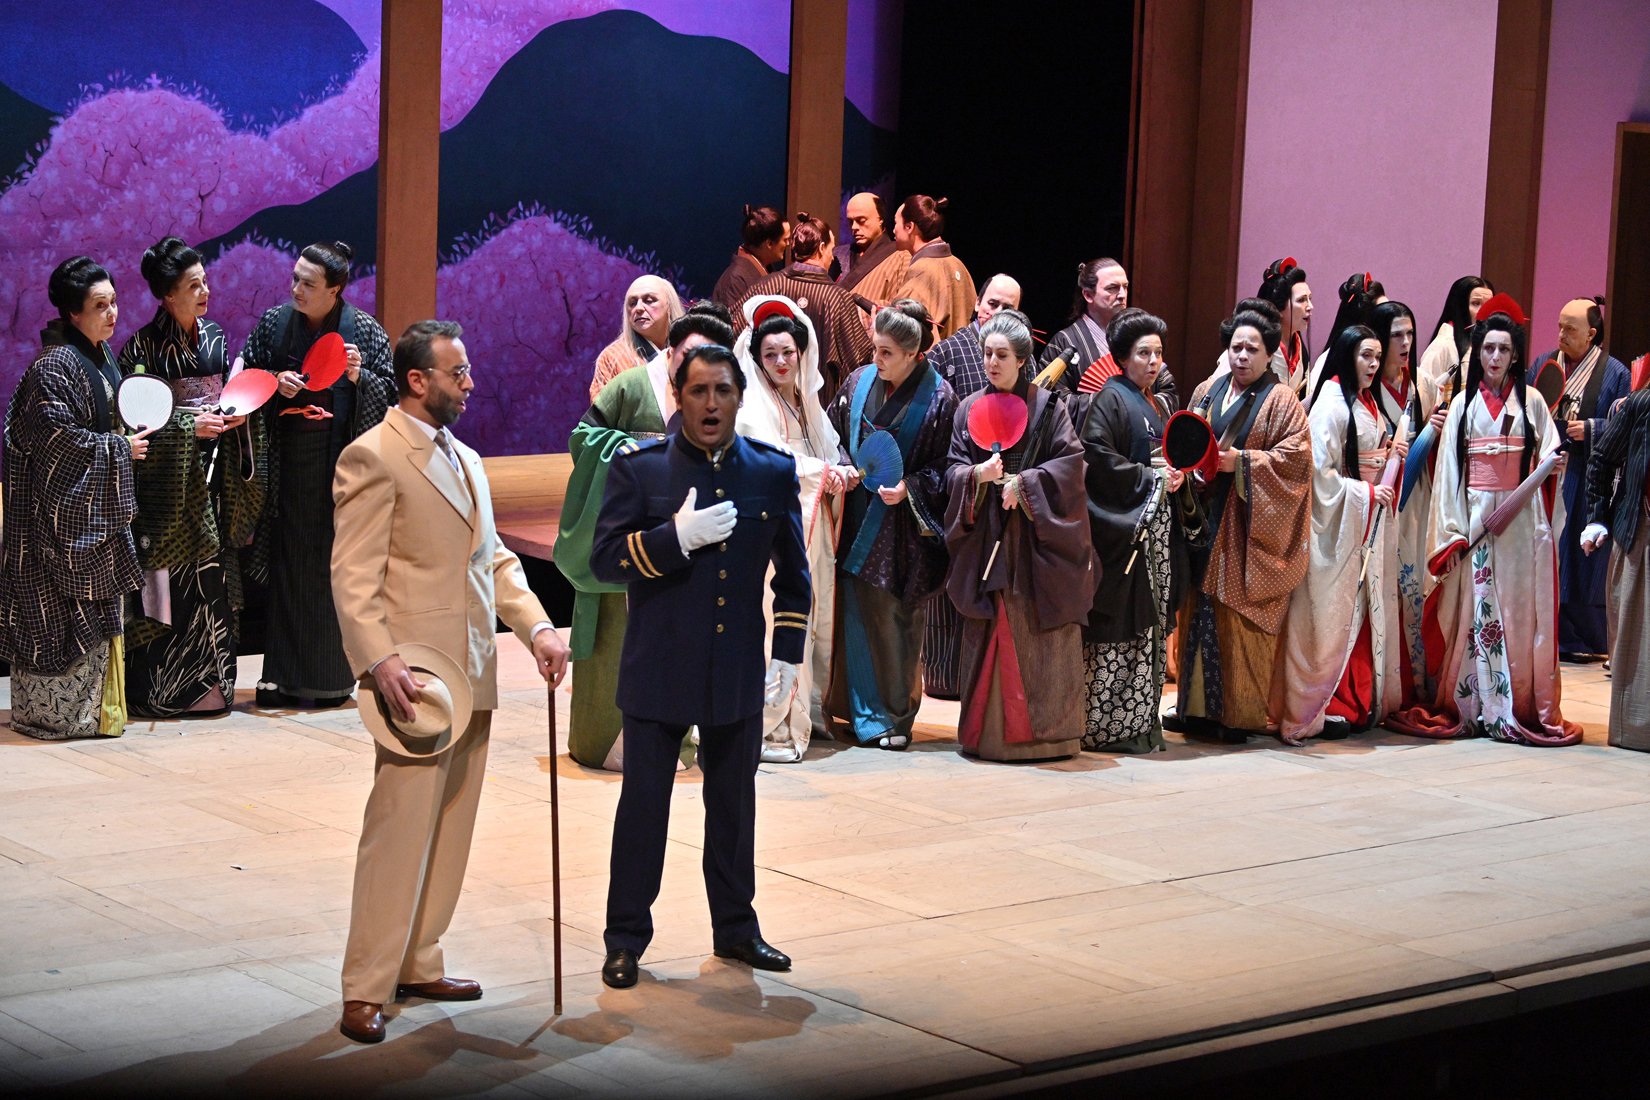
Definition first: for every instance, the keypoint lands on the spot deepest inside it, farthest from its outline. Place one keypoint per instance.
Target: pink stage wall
(1598, 75)
(1346, 167)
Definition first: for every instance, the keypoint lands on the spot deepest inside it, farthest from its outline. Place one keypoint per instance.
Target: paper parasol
(1499, 520)
(325, 363)
(997, 420)
(1189, 445)
(145, 401)
(881, 466)
(1420, 456)
(246, 392)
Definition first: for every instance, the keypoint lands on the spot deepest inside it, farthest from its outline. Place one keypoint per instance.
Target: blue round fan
(881, 466)
(1420, 452)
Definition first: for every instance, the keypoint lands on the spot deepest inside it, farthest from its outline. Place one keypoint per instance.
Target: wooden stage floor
(174, 905)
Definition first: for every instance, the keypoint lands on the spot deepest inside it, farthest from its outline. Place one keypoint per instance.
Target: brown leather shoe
(363, 1021)
(442, 989)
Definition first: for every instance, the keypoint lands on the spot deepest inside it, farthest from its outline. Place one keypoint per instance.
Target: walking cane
(555, 852)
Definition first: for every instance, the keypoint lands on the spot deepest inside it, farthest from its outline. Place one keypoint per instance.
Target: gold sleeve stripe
(790, 626)
(639, 552)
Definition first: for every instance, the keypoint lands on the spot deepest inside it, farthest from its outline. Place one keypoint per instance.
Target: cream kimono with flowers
(1497, 608)
(1341, 592)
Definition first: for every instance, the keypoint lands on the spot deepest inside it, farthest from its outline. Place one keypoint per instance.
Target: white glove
(1593, 536)
(696, 527)
(780, 680)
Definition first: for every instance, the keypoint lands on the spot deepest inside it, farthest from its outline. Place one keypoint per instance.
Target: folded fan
(325, 363)
(880, 464)
(144, 401)
(1101, 371)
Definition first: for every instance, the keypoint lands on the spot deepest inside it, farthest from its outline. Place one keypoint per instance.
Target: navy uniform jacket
(695, 648)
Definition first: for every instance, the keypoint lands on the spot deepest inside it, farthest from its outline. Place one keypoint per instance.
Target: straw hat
(441, 712)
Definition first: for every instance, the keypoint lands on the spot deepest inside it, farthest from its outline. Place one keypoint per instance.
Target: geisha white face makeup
(98, 313)
(1496, 357)
(1002, 367)
(1369, 362)
(1145, 361)
(780, 360)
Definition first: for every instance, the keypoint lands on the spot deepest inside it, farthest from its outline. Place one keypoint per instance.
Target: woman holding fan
(1022, 569)
(890, 555)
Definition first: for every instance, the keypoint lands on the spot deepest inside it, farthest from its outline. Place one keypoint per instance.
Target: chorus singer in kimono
(1496, 605)
(1137, 516)
(638, 404)
(1338, 663)
(1618, 477)
(1260, 514)
(1022, 567)
(1441, 361)
(200, 492)
(779, 356)
(651, 306)
(936, 278)
(891, 552)
(1284, 285)
(304, 662)
(67, 557)
(1407, 402)
(1594, 382)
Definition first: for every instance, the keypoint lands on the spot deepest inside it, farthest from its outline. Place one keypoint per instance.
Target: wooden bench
(528, 492)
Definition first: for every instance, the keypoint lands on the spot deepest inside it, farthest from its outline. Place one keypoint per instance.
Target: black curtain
(1019, 114)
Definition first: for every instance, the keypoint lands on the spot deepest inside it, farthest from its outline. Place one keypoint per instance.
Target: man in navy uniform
(690, 524)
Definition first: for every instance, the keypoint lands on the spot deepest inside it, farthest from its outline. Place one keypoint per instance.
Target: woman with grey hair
(1022, 567)
(890, 553)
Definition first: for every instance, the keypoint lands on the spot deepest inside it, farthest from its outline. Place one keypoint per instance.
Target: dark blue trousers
(728, 756)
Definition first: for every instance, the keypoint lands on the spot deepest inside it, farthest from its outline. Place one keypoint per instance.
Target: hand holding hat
(417, 702)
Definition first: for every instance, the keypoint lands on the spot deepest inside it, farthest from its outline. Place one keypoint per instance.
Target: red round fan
(246, 392)
(997, 420)
(325, 363)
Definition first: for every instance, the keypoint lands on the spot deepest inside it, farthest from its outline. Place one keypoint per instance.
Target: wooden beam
(819, 67)
(409, 161)
(1186, 172)
(1518, 109)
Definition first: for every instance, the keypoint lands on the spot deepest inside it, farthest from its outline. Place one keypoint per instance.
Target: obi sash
(876, 511)
(1370, 468)
(1493, 462)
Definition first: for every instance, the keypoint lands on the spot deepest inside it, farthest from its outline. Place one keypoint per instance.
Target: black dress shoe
(619, 971)
(756, 953)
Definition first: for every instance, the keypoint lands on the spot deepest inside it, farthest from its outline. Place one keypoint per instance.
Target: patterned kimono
(1338, 654)
(67, 556)
(180, 644)
(1494, 613)
(1260, 516)
(943, 285)
(1413, 523)
(292, 549)
(889, 559)
(630, 350)
(1137, 530)
(1023, 579)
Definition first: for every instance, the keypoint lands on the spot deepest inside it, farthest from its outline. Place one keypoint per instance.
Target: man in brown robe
(936, 278)
(764, 237)
(875, 266)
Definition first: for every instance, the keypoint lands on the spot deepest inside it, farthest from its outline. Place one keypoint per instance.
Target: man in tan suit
(415, 559)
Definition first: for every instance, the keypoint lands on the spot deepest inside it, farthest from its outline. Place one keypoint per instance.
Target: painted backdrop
(584, 143)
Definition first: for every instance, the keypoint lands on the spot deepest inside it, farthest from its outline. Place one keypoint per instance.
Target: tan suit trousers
(409, 870)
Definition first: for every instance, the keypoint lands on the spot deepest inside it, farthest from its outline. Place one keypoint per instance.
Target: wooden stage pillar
(409, 162)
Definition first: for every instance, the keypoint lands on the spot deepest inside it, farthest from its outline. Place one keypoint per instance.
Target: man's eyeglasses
(459, 373)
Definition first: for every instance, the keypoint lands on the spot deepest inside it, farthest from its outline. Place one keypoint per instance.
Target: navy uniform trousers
(696, 653)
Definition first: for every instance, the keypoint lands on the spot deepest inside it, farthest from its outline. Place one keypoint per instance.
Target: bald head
(865, 221)
(1580, 326)
(1000, 292)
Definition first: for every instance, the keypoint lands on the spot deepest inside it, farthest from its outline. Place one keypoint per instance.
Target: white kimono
(787, 727)
(1328, 611)
(1497, 608)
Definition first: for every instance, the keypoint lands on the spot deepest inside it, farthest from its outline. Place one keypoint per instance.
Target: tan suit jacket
(415, 556)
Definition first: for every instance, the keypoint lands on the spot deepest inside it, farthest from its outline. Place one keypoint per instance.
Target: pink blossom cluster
(127, 166)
